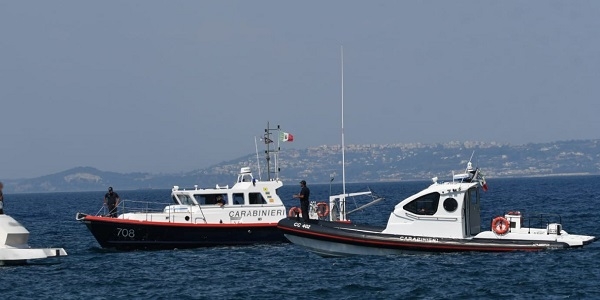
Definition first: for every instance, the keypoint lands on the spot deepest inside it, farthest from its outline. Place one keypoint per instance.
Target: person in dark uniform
(220, 201)
(303, 196)
(111, 200)
(1, 199)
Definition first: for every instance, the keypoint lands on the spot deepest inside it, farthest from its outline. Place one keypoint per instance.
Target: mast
(268, 151)
(343, 146)
(267, 139)
(278, 137)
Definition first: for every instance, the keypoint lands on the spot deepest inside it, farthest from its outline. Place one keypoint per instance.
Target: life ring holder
(322, 209)
(294, 212)
(500, 225)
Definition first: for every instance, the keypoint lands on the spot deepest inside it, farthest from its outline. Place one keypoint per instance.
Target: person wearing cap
(303, 196)
(111, 201)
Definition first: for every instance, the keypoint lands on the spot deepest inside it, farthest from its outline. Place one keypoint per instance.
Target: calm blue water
(288, 272)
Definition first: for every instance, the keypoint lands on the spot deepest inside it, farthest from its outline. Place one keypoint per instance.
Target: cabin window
(424, 205)
(185, 199)
(450, 204)
(238, 199)
(201, 199)
(256, 198)
(246, 178)
(210, 199)
(474, 196)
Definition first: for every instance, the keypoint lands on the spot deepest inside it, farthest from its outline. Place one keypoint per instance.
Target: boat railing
(543, 219)
(135, 206)
(148, 208)
(339, 204)
(537, 220)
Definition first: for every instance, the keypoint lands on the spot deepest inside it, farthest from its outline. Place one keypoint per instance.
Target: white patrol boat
(246, 213)
(13, 244)
(445, 217)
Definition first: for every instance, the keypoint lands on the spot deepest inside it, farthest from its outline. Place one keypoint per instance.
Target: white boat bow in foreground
(14, 248)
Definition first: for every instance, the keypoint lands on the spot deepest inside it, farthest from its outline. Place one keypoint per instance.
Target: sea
(287, 271)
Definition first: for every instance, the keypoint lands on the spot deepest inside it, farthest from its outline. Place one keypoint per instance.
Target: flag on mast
(286, 137)
(484, 185)
(482, 181)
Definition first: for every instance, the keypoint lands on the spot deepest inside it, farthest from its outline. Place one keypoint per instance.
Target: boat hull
(339, 239)
(143, 235)
(14, 247)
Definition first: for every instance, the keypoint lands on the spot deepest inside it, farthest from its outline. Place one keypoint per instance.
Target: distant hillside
(364, 163)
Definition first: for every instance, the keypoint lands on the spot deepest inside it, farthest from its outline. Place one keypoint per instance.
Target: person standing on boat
(111, 200)
(303, 196)
(1, 199)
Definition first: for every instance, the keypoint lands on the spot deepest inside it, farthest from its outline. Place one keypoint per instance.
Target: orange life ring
(294, 211)
(322, 209)
(500, 225)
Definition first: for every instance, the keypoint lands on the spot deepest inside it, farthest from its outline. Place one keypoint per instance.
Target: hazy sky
(170, 86)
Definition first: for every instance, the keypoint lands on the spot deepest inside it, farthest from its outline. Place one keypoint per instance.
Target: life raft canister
(294, 211)
(322, 209)
(500, 225)
(517, 213)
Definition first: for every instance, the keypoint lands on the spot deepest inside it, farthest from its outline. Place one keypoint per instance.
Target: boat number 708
(124, 232)
(305, 226)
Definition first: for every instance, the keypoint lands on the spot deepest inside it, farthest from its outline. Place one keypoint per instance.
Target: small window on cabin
(424, 205)
(238, 199)
(450, 204)
(256, 198)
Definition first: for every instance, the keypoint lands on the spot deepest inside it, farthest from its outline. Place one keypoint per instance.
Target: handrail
(148, 207)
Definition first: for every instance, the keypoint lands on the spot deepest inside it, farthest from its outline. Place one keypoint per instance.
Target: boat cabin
(448, 209)
(247, 201)
(246, 191)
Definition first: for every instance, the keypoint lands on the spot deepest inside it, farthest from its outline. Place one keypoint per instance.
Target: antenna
(277, 153)
(343, 146)
(257, 159)
(268, 152)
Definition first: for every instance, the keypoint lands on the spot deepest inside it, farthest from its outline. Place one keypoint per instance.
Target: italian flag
(484, 185)
(286, 137)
